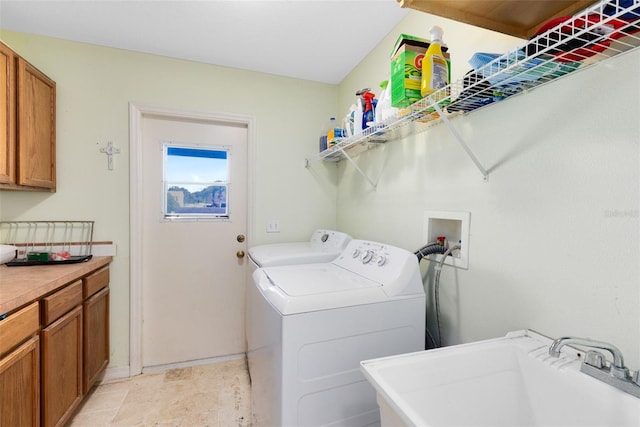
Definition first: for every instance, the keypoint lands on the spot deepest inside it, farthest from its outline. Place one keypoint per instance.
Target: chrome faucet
(615, 374)
(617, 367)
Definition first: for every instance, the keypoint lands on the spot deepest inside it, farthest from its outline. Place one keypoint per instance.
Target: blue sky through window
(194, 166)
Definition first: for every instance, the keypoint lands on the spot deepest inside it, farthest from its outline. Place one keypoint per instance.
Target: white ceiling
(307, 39)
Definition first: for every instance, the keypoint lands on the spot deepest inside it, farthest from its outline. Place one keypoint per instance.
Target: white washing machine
(310, 325)
(323, 246)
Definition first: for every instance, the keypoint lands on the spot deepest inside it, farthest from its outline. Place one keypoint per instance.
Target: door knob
(240, 238)
(240, 254)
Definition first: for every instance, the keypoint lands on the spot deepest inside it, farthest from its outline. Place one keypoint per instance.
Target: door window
(195, 182)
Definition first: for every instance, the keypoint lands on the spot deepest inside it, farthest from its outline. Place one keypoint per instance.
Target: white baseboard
(161, 368)
(115, 373)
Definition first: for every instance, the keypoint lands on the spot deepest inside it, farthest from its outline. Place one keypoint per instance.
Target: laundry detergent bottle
(435, 71)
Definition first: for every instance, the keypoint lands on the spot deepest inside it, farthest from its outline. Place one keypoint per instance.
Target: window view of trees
(212, 199)
(195, 182)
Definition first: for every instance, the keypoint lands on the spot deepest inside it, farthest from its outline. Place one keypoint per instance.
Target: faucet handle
(620, 372)
(636, 377)
(595, 359)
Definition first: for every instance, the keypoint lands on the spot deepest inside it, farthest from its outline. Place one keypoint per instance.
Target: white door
(192, 267)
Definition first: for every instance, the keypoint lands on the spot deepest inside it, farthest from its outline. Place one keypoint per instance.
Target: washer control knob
(381, 260)
(368, 256)
(355, 253)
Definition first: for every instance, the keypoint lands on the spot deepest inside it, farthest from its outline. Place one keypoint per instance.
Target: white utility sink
(510, 381)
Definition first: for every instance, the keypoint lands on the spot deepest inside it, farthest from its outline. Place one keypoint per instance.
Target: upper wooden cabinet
(519, 18)
(28, 108)
(36, 127)
(7, 115)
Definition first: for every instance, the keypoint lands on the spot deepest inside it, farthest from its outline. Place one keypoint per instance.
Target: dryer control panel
(329, 240)
(370, 255)
(394, 268)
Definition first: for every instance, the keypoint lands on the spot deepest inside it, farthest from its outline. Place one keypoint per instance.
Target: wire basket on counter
(48, 242)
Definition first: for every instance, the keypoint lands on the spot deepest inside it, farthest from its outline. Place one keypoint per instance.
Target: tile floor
(205, 396)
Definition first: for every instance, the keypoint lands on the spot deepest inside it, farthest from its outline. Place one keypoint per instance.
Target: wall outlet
(273, 226)
(454, 226)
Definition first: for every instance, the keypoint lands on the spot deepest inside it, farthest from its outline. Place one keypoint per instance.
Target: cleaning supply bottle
(384, 110)
(447, 57)
(435, 72)
(369, 101)
(383, 103)
(348, 121)
(324, 132)
(334, 132)
(358, 116)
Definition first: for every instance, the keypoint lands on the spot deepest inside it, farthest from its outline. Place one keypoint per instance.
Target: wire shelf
(602, 31)
(48, 242)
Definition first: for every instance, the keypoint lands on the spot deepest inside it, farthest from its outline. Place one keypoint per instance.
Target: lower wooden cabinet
(20, 386)
(96, 337)
(52, 351)
(61, 368)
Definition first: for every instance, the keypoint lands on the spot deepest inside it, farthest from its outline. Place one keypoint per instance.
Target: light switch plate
(273, 226)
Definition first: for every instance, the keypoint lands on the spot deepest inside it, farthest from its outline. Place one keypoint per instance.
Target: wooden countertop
(21, 285)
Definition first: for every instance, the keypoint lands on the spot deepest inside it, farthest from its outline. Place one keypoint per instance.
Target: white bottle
(357, 118)
(347, 122)
(384, 110)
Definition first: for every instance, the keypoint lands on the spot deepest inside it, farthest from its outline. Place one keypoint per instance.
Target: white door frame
(136, 114)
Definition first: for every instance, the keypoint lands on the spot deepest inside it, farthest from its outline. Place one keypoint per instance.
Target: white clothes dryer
(323, 246)
(310, 325)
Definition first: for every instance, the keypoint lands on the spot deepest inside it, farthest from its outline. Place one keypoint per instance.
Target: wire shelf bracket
(461, 141)
(358, 168)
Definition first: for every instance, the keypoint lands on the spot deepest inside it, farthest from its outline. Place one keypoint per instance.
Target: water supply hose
(429, 249)
(437, 290)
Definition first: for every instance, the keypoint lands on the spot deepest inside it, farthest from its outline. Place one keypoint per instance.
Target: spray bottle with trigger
(369, 102)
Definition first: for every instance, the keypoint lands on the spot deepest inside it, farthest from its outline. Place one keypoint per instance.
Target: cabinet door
(61, 368)
(36, 100)
(7, 115)
(20, 386)
(96, 337)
